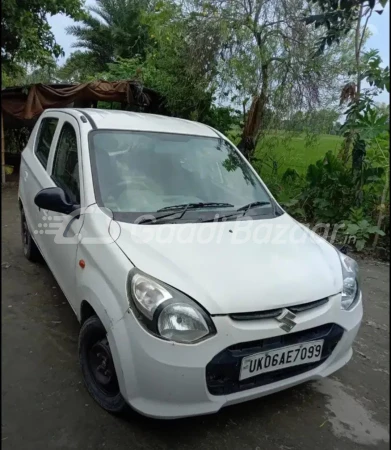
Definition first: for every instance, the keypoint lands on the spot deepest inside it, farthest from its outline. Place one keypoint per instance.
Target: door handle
(26, 174)
(68, 227)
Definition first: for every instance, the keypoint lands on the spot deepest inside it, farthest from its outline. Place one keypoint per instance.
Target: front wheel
(97, 366)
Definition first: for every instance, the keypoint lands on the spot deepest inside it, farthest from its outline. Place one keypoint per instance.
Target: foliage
(14, 79)
(124, 69)
(265, 53)
(318, 121)
(31, 74)
(235, 134)
(185, 82)
(373, 73)
(363, 120)
(16, 139)
(223, 118)
(110, 31)
(330, 189)
(26, 35)
(363, 123)
(338, 18)
(383, 108)
(359, 227)
(290, 175)
(78, 68)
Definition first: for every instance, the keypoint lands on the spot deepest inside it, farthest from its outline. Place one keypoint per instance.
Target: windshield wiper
(182, 210)
(239, 211)
(197, 206)
(251, 205)
(156, 219)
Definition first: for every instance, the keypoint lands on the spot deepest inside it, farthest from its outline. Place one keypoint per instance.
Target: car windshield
(144, 172)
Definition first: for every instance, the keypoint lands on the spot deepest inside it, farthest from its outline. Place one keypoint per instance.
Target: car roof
(134, 121)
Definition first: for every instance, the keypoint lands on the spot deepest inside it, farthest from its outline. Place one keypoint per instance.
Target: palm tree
(111, 29)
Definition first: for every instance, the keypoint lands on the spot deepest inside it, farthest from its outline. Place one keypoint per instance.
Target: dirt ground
(45, 405)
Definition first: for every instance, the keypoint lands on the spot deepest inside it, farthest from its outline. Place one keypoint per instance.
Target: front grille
(273, 313)
(222, 372)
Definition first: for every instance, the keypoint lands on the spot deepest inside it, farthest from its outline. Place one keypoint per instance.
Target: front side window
(44, 140)
(143, 172)
(65, 171)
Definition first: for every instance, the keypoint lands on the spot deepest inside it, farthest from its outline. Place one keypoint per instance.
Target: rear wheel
(97, 366)
(30, 249)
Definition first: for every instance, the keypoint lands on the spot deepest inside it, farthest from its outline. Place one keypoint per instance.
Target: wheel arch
(86, 311)
(92, 304)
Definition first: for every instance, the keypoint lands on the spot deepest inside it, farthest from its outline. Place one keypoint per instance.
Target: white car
(193, 287)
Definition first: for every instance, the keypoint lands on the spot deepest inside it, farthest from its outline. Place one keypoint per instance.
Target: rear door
(34, 174)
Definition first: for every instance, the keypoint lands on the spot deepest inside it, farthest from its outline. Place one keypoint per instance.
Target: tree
(111, 29)
(26, 35)
(28, 74)
(265, 60)
(365, 123)
(338, 19)
(176, 64)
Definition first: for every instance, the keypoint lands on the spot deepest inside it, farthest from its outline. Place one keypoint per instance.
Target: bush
(360, 228)
(330, 190)
(333, 193)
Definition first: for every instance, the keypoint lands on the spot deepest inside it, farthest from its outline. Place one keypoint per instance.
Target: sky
(379, 26)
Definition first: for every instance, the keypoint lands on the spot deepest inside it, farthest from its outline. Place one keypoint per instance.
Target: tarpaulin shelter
(21, 106)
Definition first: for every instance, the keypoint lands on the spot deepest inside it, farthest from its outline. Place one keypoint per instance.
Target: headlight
(166, 312)
(148, 294)
(350, 288)
(182, 323)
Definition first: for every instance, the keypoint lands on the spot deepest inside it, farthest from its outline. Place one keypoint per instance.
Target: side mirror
(54, 199)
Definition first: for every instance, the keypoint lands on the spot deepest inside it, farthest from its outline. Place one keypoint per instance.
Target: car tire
(97, 367)
(30, 249)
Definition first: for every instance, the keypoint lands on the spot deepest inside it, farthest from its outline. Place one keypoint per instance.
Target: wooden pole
(2, 150)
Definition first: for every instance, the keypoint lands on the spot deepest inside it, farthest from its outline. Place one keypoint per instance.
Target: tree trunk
(347, 144)
(263, 97)
(357, 45)
(345, 148)
(253, 126)
(244, 113)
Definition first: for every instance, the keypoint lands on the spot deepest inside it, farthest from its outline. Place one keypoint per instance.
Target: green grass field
(294, 151)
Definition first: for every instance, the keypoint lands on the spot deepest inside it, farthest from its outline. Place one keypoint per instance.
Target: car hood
(233, 267)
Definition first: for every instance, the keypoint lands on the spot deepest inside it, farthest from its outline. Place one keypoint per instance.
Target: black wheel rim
(101, 366)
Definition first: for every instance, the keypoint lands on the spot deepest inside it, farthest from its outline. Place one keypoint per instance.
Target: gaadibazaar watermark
(241, 230)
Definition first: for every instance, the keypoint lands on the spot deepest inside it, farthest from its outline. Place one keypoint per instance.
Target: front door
(65, 173)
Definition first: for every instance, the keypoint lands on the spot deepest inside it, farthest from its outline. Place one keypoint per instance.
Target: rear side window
(65, 171)
(44, 141)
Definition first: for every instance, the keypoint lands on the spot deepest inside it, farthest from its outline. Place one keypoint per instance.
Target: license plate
(294, 355)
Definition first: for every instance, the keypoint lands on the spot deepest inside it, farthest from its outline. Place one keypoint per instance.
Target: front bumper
(164, 379)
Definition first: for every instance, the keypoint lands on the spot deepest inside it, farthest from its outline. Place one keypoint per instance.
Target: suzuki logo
(286, 320)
